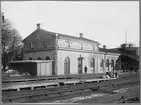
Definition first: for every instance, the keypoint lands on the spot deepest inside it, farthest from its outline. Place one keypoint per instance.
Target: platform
(46, 84)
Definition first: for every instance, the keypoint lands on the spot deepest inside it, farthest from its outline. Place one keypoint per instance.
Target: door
(92, 65)
(80, 67)
(42, 68)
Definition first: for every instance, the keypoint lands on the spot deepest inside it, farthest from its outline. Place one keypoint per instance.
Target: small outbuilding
(33, 67)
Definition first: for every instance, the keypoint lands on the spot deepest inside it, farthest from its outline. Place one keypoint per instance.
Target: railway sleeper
(58, 96)
(52, 92)
(84, 86)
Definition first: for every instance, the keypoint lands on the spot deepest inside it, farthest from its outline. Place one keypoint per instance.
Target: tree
(11, 42)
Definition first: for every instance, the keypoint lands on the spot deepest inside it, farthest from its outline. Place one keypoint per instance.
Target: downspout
(56, 54)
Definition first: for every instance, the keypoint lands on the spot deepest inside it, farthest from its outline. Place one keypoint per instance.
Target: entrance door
(80, 68)
(92, 65)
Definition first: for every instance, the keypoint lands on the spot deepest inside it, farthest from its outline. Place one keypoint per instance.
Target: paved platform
(50, 77)
(46, 84)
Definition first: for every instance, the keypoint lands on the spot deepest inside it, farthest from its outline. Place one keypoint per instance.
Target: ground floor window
(112, 64)
(47, 58)
(30, 58)
(39, 58)
(67, 65)
(107, 64)
(102, 65)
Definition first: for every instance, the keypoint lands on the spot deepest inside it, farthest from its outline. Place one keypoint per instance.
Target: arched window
(30, 58)
(102, 64)
(92, 65)
(67, 65)
(47, 58)
(112, 64)
(116, 65)
(107, 64)
(39, 58)
(31, 45)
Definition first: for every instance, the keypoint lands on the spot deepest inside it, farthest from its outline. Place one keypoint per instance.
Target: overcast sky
(104, 21)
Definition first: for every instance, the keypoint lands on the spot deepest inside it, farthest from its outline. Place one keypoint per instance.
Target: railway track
(41, 94)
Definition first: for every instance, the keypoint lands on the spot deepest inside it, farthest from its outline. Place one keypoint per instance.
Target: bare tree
(11, 42)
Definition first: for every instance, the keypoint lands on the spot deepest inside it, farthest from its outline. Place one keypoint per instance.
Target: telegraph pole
(3, 17)
(126, 38)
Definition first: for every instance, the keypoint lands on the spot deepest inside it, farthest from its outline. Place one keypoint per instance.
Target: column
(104, 63)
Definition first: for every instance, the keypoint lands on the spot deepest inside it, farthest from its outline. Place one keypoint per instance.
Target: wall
(43, 55)
(44, 68)
(77, 45)
(31, 68)
(74, 61)
(39, 41)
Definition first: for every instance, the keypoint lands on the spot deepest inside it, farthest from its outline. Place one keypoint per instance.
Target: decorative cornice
(36, 50)
(77, 50)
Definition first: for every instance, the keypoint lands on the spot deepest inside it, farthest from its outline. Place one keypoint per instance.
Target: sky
(107, 22)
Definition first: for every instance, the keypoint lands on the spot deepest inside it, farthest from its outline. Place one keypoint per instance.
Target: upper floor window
(81, 46)
(45, 43)
(67, 44)
(31, 45)
(93, 48)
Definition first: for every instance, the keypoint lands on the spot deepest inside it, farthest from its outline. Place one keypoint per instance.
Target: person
(116, 74)
(85, 69)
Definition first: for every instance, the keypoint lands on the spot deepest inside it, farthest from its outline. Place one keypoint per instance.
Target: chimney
(104, 46)
(81, 35)
(38, 26)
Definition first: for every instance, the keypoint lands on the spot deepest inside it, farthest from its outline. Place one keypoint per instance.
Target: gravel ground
(104, 95)
(116, 94)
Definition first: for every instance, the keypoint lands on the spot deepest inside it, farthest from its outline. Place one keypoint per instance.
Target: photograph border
(66, 1)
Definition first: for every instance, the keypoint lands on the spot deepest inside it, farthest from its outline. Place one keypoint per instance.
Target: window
(107, 64)
(31, 45)
(67, 43)
(67, 65)
(81, 46)
(102, 63)
(39, 58)
(93, 48)
(30, 58)
(92, 63)
(45, 43)
(112, 64)
(47, 58)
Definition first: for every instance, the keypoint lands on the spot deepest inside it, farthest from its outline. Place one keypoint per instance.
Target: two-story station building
(69, 54)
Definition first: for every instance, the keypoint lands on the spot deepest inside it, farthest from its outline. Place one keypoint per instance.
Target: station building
(70, 54)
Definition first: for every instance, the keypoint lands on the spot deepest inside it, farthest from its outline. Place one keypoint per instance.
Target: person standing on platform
(85, 69)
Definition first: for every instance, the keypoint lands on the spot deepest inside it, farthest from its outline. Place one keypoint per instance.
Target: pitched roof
(43, 36)
(109, 50)
(76, 38)
(115, 50)
(40, 33)
(135, 57)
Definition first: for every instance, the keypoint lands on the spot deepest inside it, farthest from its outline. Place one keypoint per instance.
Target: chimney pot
(81, 35)
(38, 26)
(104, 46)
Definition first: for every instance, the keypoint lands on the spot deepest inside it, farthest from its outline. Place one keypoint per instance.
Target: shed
(33, 67)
